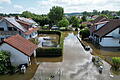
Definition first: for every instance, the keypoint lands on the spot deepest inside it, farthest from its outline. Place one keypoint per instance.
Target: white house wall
(99, 26)
(116, 31)
(17, 57)
(110, 42)
(3, 24)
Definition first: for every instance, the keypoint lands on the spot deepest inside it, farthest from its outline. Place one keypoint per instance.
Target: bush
(49, 32)
(63, 23)
(116, 62)
(35, 41)
(49, 52)
(85, 33)
(4, 61)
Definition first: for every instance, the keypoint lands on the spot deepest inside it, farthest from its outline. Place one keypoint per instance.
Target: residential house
(99, 19)
(106, 33)
(11, 26)
(20, 49)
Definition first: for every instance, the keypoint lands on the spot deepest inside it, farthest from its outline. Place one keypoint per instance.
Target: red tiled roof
(21, 44)
(31, 31)
(108, 27)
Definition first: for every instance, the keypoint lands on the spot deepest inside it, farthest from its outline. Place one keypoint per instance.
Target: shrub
(116, 62)
(4, 61)
(35, 41)
(63, 23)
(85, 33)
(49, 52)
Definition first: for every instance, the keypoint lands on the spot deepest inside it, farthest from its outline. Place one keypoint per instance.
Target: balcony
(9, 32)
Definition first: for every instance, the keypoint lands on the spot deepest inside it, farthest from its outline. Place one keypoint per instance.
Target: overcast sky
(43, 6)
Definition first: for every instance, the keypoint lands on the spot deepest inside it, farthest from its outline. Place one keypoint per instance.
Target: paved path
(76, 65)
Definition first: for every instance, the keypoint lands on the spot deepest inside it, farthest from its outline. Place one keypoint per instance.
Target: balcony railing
(9, 32)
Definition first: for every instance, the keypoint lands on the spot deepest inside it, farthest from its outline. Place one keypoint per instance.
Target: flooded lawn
(104, 51)
(48, 40)
(27, 76)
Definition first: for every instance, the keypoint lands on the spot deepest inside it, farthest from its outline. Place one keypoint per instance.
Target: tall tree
(84, 18)
(63, 23)
(74, 21)
(56, 14)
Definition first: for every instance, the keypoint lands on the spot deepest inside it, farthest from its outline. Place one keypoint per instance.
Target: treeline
(109, 14)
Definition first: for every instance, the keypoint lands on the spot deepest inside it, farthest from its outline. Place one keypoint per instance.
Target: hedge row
(50, 32)
(51, 51)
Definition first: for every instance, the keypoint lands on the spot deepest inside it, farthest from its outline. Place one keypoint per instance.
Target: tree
(85, 32)
(95, 12)
(63, 23)
(56, 14)
(74, 21)
(118, 13)
(84, 18)
(4, 58)
(40, 19)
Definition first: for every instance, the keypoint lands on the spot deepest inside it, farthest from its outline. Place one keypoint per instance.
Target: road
(76, 65)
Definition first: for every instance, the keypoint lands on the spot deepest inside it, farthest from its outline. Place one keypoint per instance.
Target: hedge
(116, 62)
(51, 51)
(50, 32)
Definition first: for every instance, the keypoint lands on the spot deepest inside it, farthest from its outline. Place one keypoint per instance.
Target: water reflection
(104, 51)
(48, 40)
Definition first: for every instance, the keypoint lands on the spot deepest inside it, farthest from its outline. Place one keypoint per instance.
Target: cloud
(1, 7)
(18, 6)
(5, 1)
(81, 5)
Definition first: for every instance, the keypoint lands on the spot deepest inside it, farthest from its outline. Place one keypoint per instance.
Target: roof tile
(21, 44)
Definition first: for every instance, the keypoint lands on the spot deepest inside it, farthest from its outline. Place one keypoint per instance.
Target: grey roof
(27, 20)
(13, 21)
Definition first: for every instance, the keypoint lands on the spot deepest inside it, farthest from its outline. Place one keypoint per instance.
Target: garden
(50, 44)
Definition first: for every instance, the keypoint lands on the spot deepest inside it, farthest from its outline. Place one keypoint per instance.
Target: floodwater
(76, 65)
(104, 51)
(48, 40)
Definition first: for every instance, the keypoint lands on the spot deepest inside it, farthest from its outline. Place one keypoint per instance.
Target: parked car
(54, 28)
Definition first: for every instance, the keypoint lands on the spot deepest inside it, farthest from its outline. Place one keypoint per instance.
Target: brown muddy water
(74, 65)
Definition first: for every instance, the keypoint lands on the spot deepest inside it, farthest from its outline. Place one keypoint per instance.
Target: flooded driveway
(76, 65)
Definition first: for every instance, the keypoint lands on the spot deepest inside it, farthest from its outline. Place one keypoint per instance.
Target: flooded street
(76, 65)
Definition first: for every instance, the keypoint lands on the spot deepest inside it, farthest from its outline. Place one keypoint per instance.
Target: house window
(10, 28)
(2, 39)
(30, 36)
(1, 29)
